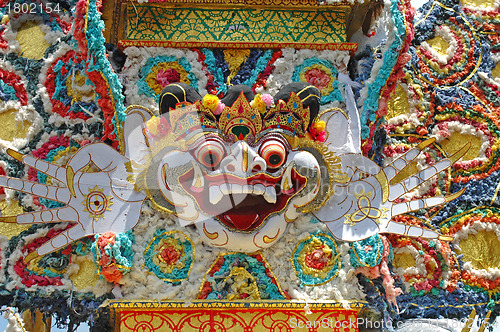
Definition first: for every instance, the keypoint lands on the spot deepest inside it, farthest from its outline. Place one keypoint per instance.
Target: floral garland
(67, 92)
(316, 260)
(113, 254)
(393, 54)
(88, 32)
(425, 266)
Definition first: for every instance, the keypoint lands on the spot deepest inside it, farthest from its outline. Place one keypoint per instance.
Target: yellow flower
(259, 104)
(320, 126)
(210, 101)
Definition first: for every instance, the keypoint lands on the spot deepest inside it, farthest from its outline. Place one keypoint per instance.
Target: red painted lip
(242, 212)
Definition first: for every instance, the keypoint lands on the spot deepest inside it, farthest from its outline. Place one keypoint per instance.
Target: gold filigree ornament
(186, 118)
(329, 160)
(365, 210)
(290, 116)
(240, 119)
(96, 203)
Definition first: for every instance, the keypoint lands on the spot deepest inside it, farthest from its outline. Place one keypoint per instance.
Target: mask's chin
(242, 204)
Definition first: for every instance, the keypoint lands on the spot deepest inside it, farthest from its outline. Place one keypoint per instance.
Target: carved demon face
(240, 176)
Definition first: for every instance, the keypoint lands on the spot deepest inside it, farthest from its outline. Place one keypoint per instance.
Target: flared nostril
(230, 168)
(256, 168)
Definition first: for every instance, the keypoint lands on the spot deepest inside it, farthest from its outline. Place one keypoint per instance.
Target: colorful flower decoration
(27, 35)
(231, 67)
(157, 127)
(237, 276)
(424, 265)
(170, 255)
(323, 75)
(211, 102)
(456, 125)
(317, 131)
(476, 233)
(20, 121)
(160, 71)
(12, 85)
(70, 93)
(450, 57)
(47, 270)
(315, 260)
(371, 257)
(113, 254)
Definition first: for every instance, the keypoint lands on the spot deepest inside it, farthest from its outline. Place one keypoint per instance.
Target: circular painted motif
(169, 255)
(316, 260)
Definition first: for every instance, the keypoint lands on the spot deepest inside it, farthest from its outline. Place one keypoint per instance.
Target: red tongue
(242, 221)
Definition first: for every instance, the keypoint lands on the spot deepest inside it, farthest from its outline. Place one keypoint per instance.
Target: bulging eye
(209, 153)
(273, 152)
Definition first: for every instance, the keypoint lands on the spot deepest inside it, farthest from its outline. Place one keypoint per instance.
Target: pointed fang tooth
(286, 181)
(214, 194)
(270, 194)
(198, 179)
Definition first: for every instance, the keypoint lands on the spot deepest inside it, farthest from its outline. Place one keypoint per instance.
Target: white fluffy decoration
(11, 27)
(137, 58)
(15, 322)
(24, 113)
(292, 58)
(447, 35)
(139, 284)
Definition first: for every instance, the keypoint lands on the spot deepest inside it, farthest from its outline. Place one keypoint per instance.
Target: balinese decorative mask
(240, 171)
(242, 168)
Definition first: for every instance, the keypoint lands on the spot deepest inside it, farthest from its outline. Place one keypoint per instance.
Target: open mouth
(242, 203)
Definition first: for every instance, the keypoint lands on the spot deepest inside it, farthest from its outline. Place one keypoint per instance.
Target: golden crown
(241, 119)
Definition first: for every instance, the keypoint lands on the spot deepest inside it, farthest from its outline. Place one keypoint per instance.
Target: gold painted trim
(11, 219)
(268, 239)
(384, 184)
(145, 305)
(70, 180)
(16, 155)
(309, 4)
(352, 47)
(211, 236)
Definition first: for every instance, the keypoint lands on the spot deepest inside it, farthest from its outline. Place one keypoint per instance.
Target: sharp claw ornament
(239, 169)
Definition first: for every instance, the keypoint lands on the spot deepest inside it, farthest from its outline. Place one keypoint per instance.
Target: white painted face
(240, 196)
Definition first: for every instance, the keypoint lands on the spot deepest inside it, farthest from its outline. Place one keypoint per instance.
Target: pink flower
(165, 77)
(318, 78)
(220, 107)
(267, 99)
